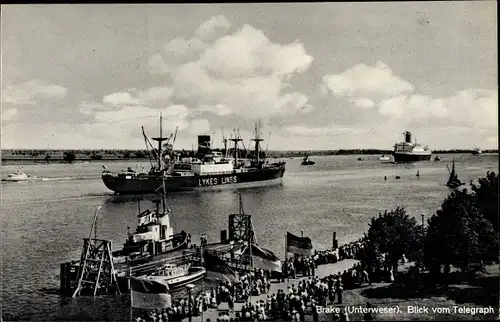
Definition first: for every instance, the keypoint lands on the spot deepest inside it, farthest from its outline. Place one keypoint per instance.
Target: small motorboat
(177, 276)
(477, 151)
(437, 158)
(306, 161)
(385, 158)
(19, 175)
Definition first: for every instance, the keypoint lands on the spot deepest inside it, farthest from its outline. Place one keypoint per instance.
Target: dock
(321, 271)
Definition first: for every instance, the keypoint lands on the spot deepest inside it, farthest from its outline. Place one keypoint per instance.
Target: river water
(43, 222)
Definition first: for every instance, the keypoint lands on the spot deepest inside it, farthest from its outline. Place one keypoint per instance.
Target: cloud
(248, 53)
(321, 131)
(151, 95)
(120, 98)
(208, 30)
(157, 66)
(362, 83)
(31, 92)
(217, 109)
(8, 114)
(245, 72)
(183, 46)
(199, 126)
(90, 108)
(364, 103)
(475, 108)
(394, 98)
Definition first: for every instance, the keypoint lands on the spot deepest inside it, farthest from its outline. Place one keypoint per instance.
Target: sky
(317, 75)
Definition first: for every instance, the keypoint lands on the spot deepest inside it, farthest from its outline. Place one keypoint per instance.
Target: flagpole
(285, 249)
(251, 264)
(130, 289)
(202, 280)
(286, 258)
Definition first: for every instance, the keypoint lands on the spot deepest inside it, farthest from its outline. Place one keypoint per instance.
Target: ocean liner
(206, 169)
(410, 152)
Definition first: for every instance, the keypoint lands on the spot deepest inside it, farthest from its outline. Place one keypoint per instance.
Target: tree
(69, 156)
(394, 233)
(459, 235)
(139, 155)
(486, 197)
(96, 157)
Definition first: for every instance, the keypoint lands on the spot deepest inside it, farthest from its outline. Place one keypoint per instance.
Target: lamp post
(189, 288)
(423, 235)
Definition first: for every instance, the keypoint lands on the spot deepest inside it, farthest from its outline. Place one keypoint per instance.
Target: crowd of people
(293, 304)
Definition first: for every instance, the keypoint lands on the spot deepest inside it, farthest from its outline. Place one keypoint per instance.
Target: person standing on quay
(339, 289)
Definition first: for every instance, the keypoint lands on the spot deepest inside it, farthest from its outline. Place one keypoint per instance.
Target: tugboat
(177, 276)
(154, 236)
(306, 161)
(207, 169)
(410, 152)
(453, 181)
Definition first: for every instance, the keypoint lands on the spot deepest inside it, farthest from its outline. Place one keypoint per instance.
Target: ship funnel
(204, 143)
(407, 137)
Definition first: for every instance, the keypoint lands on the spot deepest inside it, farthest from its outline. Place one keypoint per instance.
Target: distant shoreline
(60, 156)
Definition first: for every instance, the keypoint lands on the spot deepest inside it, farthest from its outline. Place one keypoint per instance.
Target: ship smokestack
(204, 143)
(407, 137)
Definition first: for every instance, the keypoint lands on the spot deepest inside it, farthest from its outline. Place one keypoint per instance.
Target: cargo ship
(410, 152)
(206, 169)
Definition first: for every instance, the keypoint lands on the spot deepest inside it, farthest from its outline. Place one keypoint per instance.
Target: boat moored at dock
(177, 276)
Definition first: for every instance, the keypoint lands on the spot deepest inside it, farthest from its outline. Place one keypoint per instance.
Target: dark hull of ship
(409, 157)
(150, 184)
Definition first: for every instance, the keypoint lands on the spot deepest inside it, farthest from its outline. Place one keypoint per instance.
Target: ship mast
(160, 140)
(236, 140)
(257, 140)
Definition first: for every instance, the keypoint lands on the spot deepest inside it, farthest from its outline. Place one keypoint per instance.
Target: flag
(145, 217)
(149, 294)
(298, 245)
(218, 269)
(263, 258)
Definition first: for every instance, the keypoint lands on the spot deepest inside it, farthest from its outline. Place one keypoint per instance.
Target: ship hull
(150, 184)
(411, 157)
